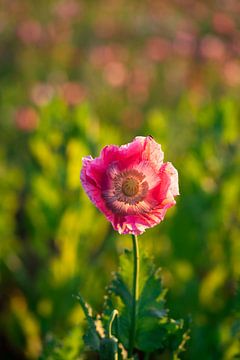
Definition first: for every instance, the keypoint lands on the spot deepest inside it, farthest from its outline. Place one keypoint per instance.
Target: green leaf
(154, 329)
(92, 336)
(109, 349)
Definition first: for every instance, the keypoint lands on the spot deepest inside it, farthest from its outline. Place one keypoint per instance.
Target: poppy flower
(131, 185)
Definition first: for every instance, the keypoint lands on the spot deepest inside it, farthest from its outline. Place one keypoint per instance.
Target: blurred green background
(75, 76)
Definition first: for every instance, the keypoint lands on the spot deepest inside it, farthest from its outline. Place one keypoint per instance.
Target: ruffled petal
(173, 175)
(126, 155)
(93, 169)
(91, 178)
(169, 179)
(152, 151)
(137, 224)
(151, 176)
(167, 186)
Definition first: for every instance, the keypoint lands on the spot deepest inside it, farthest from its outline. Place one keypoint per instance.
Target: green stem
(135, 295)
(113, 315)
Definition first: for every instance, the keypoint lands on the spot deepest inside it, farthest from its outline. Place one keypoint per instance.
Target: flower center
(130, 186)
(126, 191)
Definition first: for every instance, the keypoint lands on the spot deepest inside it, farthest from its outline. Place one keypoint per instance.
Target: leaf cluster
(156, 331)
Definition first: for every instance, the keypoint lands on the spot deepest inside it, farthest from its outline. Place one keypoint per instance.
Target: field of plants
(77, 75)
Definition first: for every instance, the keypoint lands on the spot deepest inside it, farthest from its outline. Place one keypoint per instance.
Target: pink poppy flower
(131, 185)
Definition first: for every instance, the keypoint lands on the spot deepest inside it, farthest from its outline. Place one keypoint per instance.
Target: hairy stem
(135, 295)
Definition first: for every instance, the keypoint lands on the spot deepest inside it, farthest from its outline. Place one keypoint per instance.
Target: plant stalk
(112, 317)
(136, 267)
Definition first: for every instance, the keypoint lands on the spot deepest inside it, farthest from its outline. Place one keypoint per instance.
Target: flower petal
(126, 155)
(172, 174)
(91, 179)
(152, 151)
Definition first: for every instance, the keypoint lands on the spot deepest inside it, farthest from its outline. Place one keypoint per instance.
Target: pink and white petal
(131, 153)
(137, 224)
(126, 227)
(172, 173)
(109, 154)
(119, 223)
(158, 194)
(130, 224)
(157, 215)
(151, 176)
(112, 170)
(152, 151)
(126, 155)
(168, 184)
(94, 170)
(93, 191)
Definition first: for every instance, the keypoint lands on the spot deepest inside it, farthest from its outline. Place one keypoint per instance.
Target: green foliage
(98, 340)
(109, 349)
(67, 349)
(92, 337)
(155, 330)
